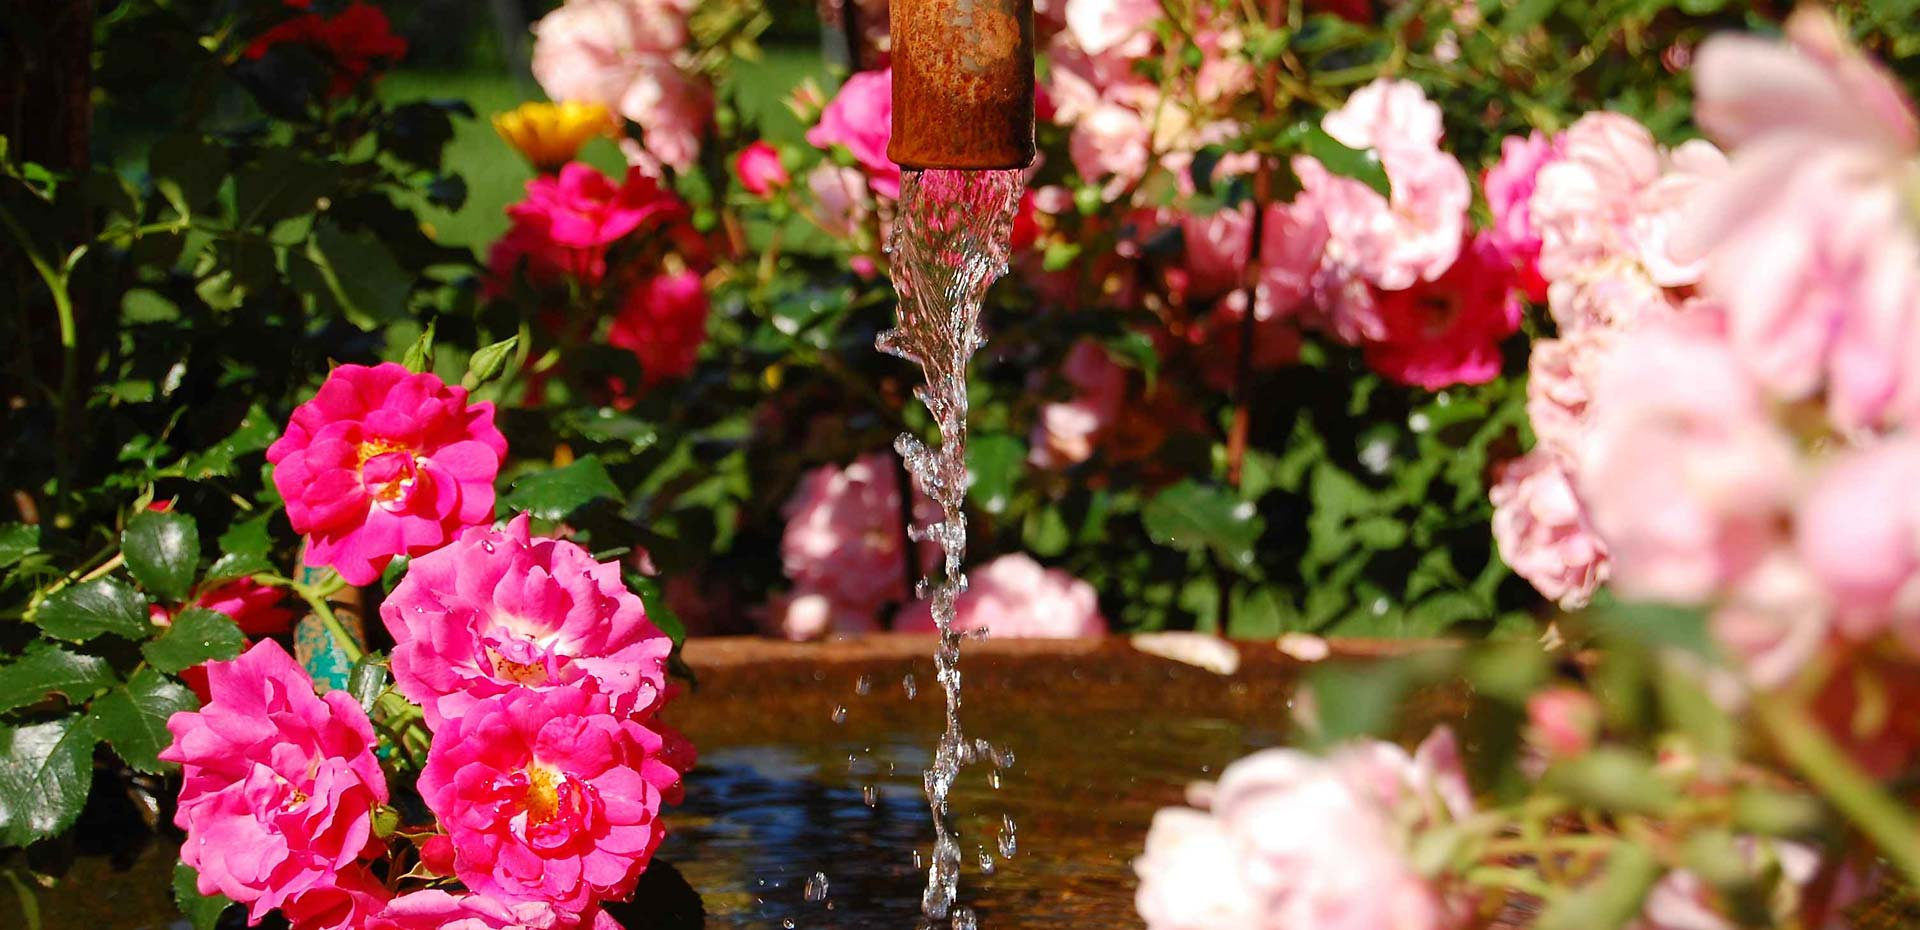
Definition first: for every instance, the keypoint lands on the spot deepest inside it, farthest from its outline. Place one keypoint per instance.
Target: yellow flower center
(543, 794)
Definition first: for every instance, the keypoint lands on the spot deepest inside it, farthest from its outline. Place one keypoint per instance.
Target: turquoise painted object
(315, 647)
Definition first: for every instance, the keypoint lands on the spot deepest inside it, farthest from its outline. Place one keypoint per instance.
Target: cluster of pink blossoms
(537, 673)
(1727, 417)
(632, 57)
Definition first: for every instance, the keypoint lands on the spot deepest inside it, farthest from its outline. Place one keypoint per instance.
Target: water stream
(949, 242)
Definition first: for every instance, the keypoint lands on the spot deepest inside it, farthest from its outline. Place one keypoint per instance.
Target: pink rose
(1386, 114)
(1684, 473)
(860, 119)
(1543, 531)
(1560, 376)
(1562, 722)
(346, 903)
(383, 462)
(1066, 431)
(663, 323)
(840, 199)
(802, 615)
(499, 611)
(280, 784)
(1583, 201)
(568, 221)
(1509, 185)
(434, 909)
(1111, 142)
(1858, 531)
(843, 538)
(1681, 900)
(1120, 26)
(1217, 249)
(255, 607)
(1291, 245)
(759, 169)
(549, 797)
(1295, 840)
(1014, 597)
(626, 54)
(1774, 620)
(1448, 331)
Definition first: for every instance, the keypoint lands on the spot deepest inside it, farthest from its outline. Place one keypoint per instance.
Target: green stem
(1873, 812)
(56, 280)
(316, 598)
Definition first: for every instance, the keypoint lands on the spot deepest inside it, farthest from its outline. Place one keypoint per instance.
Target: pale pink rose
(1226, 71)
(1509, 185)
(1014, 597)
(1123, 27)
(383, 462)
(1858, 531)
(1681, 900)
(840, 199)
(1584, 202)
(549, 797)
(1217, 249)
(433, 909)
(1066, 432)
(346, 902)
(1386, 114)
(625, 54)
(1663, 206)
(663, 322)
(1391, 242)
(843, 538)
(1684, 474)
(280, 784)
(1560, 376)
(1543, 530)
(1562, 722)
(802, 616)
(1291, 244)
(1111, 143)
(501, 610)
(1299, 841)
(1774, 619)
(1448, 331)
(860, 119)
(759, 169)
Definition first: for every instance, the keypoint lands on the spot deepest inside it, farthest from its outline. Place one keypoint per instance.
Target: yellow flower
(550, 134)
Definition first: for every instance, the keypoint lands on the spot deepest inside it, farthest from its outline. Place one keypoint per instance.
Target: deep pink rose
(1217, 249)
(499, 611)
(759, 169)
(1684, 473)
(860, 118)
(1066, 431)
(549, 797)
(434, 909)
(279, 784)
(1858, 530)
(383, 462)
(1509, 186)
(1543, 531)
(1014, 597)
(253, 607)
(663, 323)
(626, 54)
(1448, 331)
(843, 538)
(568, 220)
(346, 903)
(1295, 840)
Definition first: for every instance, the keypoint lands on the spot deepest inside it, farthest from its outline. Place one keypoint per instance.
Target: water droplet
(840, 714)
(487, 545)
(816, 889)
(993, 778)
(918, 861)
(1009, 839)
(786, 923)
(963, 919)
(869, 794)
(912, 689)
(864, 686)
(986, 861)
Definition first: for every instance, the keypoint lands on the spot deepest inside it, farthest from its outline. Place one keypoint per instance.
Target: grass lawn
(495, 174)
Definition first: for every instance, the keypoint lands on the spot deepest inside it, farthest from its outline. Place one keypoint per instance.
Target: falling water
(950, 241)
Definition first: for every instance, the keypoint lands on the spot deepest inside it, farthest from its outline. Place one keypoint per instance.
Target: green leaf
(197, 635)
(1654, 626)
(1191, 516)
(1355, 701)
(247, 537)
(1260, 612)
(1526, 14)
(1613, 779)
(255, 433)
(202, 911)
(236, 565)
(555, 493)
(45, 771)
(489, 362)
(282, 184)
(104, 605)
(48, 669)
(1611, 901)
(361, 273)
(17, 541)
(419, 356)
(187, 172)
(994, 461)
(368, 680)
(1362, 165)
(162, 551)
(134, 718)
(1045, 532)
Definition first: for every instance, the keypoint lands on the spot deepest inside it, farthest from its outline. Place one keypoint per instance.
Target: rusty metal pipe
(962, 84)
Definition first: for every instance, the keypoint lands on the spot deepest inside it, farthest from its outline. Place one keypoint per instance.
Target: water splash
(950, 241)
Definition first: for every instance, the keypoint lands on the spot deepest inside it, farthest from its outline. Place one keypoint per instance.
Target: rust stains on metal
(962, 84)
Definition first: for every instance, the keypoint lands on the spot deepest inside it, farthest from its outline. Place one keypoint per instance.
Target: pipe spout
(962, 84)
